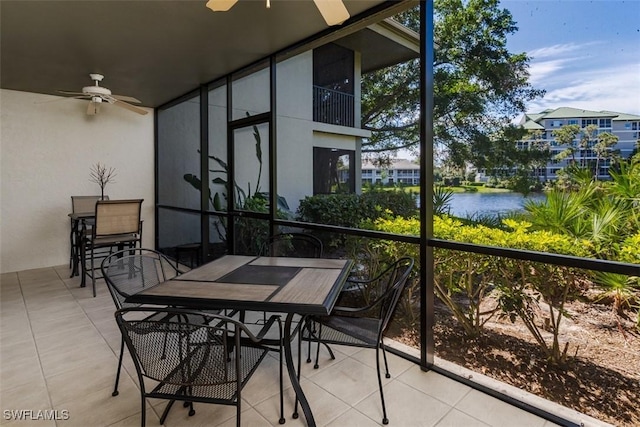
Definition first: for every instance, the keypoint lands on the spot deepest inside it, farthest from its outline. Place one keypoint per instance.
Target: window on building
(333, 171)
(605, 123)
(587, 122)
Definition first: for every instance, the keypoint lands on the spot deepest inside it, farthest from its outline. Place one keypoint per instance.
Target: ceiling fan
(97, 94)
(334, 12)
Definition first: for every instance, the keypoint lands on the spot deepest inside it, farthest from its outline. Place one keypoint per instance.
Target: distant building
(398, 171)
(625, 126)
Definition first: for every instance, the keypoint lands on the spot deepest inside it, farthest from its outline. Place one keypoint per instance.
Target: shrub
(353, 210)
(523, 289)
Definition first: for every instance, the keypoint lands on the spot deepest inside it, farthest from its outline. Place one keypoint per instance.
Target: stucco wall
(46, 151)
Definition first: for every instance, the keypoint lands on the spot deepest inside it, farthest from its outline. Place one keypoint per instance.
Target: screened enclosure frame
(425, 240)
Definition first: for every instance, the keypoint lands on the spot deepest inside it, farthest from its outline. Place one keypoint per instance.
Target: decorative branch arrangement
(102, 175)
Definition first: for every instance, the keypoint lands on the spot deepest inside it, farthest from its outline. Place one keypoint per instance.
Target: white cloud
(608, 88)
(555, 50)
(574, 77)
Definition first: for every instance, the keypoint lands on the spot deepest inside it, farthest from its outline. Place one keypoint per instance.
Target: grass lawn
(416, 189)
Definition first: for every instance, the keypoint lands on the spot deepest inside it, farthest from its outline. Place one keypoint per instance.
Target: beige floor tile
(100, 408)
(348, 380)
(434, 384)
(82, 335)
(50, 313)
(397, 365)
(353, 418)
(9, 279)
(15, 353)
(68, 324)
(406, 406)
(249, 418)
(37, 276)
(90, 376)
(206, 415)
(134, 421)
(496, 412)
(71, 359)
(456, 418)
(324, 405)
(265, 382)
(54, 290)
(26, 371)
(59, 303)
(35, 418)
(30, 395)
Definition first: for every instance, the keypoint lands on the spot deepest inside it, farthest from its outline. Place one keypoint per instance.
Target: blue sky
(586, 53)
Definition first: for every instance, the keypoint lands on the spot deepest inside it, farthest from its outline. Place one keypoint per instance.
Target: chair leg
(333, 356)
(115, 388)
(300, 333)
(386, 365)
(93, 273)
(143, 414)
(385, 420)
(83, 264)
(165, 412)
(282, 419)
(316, 366)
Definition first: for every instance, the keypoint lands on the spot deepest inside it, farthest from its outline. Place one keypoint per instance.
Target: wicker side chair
(208, 362)
(364, 324)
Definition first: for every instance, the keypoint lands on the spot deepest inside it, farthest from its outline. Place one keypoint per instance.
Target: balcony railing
(333, 107)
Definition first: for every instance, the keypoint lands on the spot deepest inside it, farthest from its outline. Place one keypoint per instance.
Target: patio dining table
(78, 218)
(303, 286)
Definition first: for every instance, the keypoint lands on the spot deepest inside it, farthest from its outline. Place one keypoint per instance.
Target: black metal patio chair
(364, 324)
(130, 271)
(204, 362)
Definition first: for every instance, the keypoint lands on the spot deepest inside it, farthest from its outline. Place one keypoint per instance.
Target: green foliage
(522, 289)
(353, 210)
(478, 84)
(441, 200)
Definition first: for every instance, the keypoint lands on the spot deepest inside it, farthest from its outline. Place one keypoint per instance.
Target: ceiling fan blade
(129, 107)
(334, 12)
(93, 108)
(126, 98)
(58, 99)
(221, 5)
(66, 92)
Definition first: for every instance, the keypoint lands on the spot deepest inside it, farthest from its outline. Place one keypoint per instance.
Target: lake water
(489, 204)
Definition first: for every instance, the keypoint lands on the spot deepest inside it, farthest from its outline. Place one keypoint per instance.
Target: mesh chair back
(383, 293)
(297, 245)
(85, 204)
(114, 217)
(205, 361)
(130, 271)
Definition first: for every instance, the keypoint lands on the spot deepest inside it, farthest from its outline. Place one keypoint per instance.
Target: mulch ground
(603, 376)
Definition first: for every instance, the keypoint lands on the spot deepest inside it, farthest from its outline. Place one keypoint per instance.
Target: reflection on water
(489, 204)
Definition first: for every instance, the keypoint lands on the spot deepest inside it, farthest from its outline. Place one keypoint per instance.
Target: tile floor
(59, 349)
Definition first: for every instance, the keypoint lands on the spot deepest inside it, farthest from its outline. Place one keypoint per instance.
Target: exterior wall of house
(298, 134)
(47, 150)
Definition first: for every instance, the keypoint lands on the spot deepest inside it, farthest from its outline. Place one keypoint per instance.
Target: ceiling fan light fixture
(221, 5)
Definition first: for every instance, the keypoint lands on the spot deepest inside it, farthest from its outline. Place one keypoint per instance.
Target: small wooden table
(302, 286)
